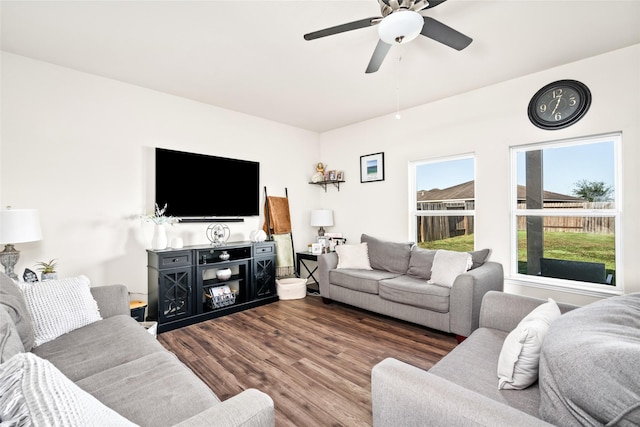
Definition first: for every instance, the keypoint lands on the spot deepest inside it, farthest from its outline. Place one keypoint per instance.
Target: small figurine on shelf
(319, 175)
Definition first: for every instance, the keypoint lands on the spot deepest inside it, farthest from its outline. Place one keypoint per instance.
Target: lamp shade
(401, 26)
(321, 218)
(19, 225)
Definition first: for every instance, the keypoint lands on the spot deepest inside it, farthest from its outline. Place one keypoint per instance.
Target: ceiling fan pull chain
(398, 72)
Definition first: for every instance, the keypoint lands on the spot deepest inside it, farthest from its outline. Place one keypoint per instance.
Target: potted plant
(47, 270)
(159, 240)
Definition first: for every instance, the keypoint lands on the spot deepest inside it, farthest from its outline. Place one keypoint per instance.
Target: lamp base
(321, 231)
(9, 258)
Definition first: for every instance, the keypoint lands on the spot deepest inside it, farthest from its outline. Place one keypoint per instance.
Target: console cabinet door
(174, 294)
(264, 269)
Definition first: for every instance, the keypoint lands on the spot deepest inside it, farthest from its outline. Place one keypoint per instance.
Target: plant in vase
(160, 220)
(47, 270)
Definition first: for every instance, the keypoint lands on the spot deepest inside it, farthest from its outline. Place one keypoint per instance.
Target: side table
(137, 310)
(301, 257)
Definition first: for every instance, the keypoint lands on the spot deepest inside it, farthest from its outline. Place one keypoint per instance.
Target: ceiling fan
(400, 23)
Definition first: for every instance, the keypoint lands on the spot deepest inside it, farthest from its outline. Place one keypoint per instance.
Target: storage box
(292, 288)
(151, 327)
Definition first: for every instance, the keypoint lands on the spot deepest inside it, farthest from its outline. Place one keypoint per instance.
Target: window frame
(414, 213)
(583, 288)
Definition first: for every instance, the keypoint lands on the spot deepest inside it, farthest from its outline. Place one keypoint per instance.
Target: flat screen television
(198, 186)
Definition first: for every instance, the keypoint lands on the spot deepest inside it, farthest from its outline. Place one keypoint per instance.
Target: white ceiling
(250, 56)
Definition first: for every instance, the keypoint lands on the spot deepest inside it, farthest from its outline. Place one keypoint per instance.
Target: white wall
(76, 147)
(487, 122)
(79, 148)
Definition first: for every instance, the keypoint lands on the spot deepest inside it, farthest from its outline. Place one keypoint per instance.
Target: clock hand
(556, 107)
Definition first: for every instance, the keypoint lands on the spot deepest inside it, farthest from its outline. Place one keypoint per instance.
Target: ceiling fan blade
(434, 3)
(343, 28)
(437, 31)
(378, 56)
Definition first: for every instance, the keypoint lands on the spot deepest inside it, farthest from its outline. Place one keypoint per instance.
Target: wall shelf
(323, 184)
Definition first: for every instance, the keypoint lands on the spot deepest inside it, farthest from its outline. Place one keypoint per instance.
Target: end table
(137, 310)
(301, 257)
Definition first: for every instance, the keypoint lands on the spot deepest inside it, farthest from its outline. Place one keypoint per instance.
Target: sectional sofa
(398, 285)
(586, 372)
(109, 372)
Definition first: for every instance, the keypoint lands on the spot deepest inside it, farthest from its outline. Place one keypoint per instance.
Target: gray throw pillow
(479, 257)
(589, 365)
(421, 262)
(10, 343)
(388, 256)
(12, 299)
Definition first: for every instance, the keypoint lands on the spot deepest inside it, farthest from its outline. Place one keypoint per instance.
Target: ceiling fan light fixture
(401, 26)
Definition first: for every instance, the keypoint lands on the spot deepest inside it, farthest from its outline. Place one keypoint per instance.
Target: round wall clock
(559, 104)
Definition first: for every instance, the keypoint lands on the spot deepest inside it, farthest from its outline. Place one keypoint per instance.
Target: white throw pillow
(520, 355)
(34, 392)
(59, 306)
(353, 256)
(447, 265)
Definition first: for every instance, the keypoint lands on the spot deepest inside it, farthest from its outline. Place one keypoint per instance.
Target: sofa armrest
(251, 408)
(466, 296)
(326, 262)
(504, 311)
(403, 395)
(112, 300)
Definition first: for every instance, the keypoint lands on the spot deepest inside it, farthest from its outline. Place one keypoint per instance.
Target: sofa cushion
(353, 256)
(154, 390)
(447, 265)
(99, 346)
(59, 306)
(589, 365)
(388, 256)
(520, 354)
(35, 393)
(12, 299)
(359, 280)
(10, 343)
(473, 365)
(416, 292)
(420, 262)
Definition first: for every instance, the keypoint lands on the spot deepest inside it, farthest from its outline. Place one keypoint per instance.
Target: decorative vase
(223, 274)
(224, 256)
(159, 240)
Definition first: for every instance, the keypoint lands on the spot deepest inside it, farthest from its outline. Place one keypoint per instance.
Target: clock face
(559, 104)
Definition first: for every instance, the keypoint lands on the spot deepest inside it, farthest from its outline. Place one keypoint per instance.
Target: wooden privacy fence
(432, 228)
(574, 224)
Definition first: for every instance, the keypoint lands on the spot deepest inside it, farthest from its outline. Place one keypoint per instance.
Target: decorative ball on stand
(218, 234)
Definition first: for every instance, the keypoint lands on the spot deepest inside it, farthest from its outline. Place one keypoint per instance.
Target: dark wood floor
(313, 359)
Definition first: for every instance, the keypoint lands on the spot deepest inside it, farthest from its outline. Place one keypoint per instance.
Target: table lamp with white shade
(17, 226)
(321, 218)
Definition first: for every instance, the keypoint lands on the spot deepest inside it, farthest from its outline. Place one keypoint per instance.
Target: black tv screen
(196, 186)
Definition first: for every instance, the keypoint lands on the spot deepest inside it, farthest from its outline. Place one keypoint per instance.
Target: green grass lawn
(574, 246)
(570, 246)
(459, 243)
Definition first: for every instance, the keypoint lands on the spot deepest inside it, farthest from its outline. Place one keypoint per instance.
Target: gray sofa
(588, 372)
(397, 286)
(122, 365)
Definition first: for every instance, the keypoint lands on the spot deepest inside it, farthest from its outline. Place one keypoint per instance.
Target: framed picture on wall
(372, 167)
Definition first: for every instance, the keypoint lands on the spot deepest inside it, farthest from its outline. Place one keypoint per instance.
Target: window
(566, 213)
(442, 203)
